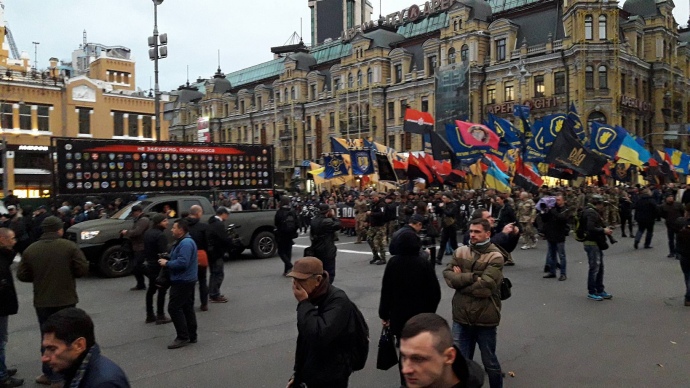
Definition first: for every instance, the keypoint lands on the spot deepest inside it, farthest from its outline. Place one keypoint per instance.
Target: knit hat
(52, 224)
(158, 218)
(416, 219)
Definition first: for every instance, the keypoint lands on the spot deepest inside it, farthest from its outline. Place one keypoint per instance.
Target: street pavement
(550, 335)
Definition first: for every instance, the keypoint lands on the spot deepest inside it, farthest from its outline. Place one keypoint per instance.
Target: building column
(15, 116)
(125, 124)
(34, 117)
(140, 126)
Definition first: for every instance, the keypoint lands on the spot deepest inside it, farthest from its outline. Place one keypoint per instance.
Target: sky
(243, 31)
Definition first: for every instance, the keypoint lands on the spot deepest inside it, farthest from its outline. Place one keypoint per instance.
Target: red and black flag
(416, 168)
(418, 122)
(527, 178)
(400, 169)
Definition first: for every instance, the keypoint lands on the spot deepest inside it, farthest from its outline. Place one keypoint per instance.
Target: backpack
(580, 226)
(359, 350)
(289, 226)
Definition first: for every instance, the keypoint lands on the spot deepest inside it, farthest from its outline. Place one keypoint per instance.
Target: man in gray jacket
(136, 239)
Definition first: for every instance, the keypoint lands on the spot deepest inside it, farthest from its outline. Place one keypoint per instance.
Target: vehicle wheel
(264, 245)
(115, 262)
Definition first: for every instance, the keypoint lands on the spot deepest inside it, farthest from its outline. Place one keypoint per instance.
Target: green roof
(504, 5)
(425, 26)
(255, 73)
(331, 51)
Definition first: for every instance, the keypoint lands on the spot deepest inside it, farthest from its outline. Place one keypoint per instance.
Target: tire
(115, 262)
(264, 245)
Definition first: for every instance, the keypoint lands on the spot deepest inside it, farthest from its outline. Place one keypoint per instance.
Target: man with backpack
(593, 233)
(670, 212)
(286, 229)
(327, 328)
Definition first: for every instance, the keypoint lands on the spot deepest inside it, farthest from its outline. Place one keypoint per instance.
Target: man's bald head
(196, 211)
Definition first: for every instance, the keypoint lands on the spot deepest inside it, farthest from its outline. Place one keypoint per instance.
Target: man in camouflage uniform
(526, 215)
(376, 217)
(391, 211)
(361, 208)
(614, 215)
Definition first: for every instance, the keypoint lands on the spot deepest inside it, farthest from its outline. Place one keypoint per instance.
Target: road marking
(339, 250)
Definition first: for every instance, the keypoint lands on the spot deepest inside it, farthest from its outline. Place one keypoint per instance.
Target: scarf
(81, 371)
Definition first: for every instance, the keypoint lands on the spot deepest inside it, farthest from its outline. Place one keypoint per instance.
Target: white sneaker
(524, 247)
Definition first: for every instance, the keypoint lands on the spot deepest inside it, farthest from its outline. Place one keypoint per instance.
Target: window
(602, 27)
(464, 51)
(451, 55)
(146, 125)
(242, 107)
(370, 77)
(623, 86)
(408, 141)
(293, 96)
(391, 110)
(431, 61)
(312, 88)
(350, 81)
(84, 121)
(559, 82)
(43, 113)
(359, 78)
(636, 87)
(277, 99)
(133, 125)
(259, 103)
(403, 107)
(398, 73)
(501, 49)
(7, 113)
(491, 96)
(391, 141)
(539, 86)
(425, 105)
(588, 27)
(118, 124)
(331, 120)
(24, 116)
(589, 77)
(603, 78)
(509, 93)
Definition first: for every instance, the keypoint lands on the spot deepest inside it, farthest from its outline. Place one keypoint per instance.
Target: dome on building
(481, 9)
(220, 83)
(641, 7)
(304, 60)
(188, 94)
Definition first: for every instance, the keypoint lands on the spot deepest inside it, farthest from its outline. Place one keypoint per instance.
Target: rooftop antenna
(380, 10)
(187, 75)
(36, 54)
(218, 60)
(300, 29)
(84, 38)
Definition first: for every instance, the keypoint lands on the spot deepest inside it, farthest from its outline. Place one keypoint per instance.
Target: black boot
(375, 259)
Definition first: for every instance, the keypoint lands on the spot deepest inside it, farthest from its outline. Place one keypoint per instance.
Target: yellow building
(628, 66)
(93, 96)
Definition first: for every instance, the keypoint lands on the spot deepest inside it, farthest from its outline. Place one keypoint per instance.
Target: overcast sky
(243, 30)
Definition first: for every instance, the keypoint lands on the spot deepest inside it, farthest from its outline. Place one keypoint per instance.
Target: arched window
(588, 27)
(370, 76)
(350, 80)
(292, 93)
(359, 78)
(464, 52)
(589, 77)
(602, 27)
(451, 55)
(603, 78)
(286, 95)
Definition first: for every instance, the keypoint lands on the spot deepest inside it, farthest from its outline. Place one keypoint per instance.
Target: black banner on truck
(86, 166)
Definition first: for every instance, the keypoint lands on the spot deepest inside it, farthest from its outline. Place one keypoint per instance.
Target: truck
(103, 246)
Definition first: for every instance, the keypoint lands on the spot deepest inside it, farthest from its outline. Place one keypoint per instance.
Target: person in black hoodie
(198, 231)
(322, 234)
(555, 230)
(448, 212)
(409, 285)
(286, 224)
(9, 304)
(427, 337)
(625, 207)
(155, 243)
(645, 215)
(218, 243)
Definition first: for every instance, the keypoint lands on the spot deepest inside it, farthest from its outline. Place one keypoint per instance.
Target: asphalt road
(550, 335)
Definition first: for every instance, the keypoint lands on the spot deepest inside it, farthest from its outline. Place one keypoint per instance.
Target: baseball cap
(305, 268)
(416, 219)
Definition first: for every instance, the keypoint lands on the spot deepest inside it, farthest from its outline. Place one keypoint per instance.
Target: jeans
(181, 310)
(449, 234)
(553, 249)
(671, 235)
(151, 291)
(216, 266)
(685, 266)
(203, 285)
(43, 313)
(3, 343)
(595, 279)
(138, 270)
(467, 337)
(285, 252)
(641, 227)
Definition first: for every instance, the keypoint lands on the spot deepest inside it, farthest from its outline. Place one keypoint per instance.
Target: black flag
(568, 152)
(386, 172)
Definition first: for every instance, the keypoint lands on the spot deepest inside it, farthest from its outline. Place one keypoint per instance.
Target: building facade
(91, 96)
(626, 64)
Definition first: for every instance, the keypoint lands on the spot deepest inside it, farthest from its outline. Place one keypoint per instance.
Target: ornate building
(627, 66)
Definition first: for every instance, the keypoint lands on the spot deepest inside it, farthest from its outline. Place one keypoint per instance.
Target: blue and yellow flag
(362, 163)
(632, 152)
(680, 160)
(339, 145)
(335, 166)
(607, 139)
(579, 129)
(505, 130)
(497, 179)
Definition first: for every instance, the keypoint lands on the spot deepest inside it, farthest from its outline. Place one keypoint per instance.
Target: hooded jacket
(471, 375)
(645, 209)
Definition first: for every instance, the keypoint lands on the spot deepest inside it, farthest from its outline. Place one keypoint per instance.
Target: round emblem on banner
(104, 185)
(88, 185)
(69, 166)
(70, 185)
(68, 146)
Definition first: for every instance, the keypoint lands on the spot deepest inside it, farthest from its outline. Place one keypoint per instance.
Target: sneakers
(509, 263)
(204, 307)
(605, 295)
(380, 262)
(525, 247)
(178, 343)
(374, 260)
(138, 288)
(11, 382)
(150, 319)
(671, 256)
(562, 278)
(549, 276)
(594, 297)
(219, 299)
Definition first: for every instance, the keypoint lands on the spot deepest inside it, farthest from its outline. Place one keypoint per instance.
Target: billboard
(86, 166)
(452, 94)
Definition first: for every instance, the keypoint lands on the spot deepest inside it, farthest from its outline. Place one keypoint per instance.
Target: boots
(162, 319)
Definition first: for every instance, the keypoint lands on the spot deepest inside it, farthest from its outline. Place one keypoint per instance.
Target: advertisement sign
(452, 94)
(86, 166)
(203, 132)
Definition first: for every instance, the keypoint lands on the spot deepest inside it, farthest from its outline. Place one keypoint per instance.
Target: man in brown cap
(52, 263)
(324, 315)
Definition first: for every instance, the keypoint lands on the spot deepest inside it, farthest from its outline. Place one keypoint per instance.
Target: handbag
(387, 356)
(506, 288)
(202, 258)
(163, 279)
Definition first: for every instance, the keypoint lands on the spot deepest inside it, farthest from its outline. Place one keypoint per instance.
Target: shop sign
(533, 104)
(26, 147)
(634, 103)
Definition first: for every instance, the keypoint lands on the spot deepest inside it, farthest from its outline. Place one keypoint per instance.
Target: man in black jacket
(506, 213)
(135, 235)
(285, 222)
(155, 243)
(198, 231)
(596, 232)
(324, 316)
(409, 285)
(8, 303)
(448, 212)
(218, 243)
(645, 215)
(670, 211)
(322, 233)
(377, 218)
(555, 230)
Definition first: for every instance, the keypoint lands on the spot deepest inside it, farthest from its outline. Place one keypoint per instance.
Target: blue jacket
(101, 372)
(183, 262)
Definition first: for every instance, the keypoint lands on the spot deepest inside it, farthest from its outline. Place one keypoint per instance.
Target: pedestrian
(506, 238)
(286, 225)
(324, 319)
(625, 207)
(526, 215)
(9, 305)
(70, 346)
(448, 212)
(409, 285)
(376, 236)
(506, 213)
(475, 272)
(683, 249)
(429, 358)
(52, 264)
(183, 268)
(236, 205)
(645, 216)
(219, 243)
(361, 207)
(199, 232)
(135, 236)
(18, 224)
(555, 231)
(155, 244)
(322, 233)
(594, 244)
(670, 211)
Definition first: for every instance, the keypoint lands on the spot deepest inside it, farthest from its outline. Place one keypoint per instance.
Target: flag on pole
(497, 179)
(335, 166)
(607, 139)
(477, 135)
(460, 148)
(418, 122)
(631, 151)
(568, 152)
(505, 130)
(386, 170)
(362, 163)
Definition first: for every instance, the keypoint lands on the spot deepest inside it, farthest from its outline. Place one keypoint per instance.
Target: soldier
(377, 229)
(361, 207)
(526, 216)
(391, 211)
(613, 199)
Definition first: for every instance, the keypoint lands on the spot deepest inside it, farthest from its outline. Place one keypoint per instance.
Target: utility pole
(36, 54)
(158, 50)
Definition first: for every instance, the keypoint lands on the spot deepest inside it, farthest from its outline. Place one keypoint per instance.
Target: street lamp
(158, 50)
(522, 74)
